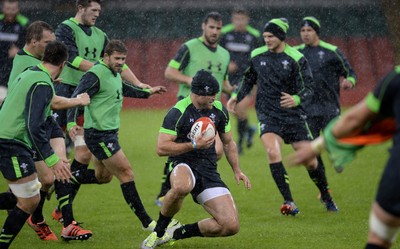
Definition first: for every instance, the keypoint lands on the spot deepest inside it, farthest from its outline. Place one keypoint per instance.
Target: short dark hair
(115, 46)
(86, 3)
(35, 30)
(55, 53)
(240, 11)
(216, 16)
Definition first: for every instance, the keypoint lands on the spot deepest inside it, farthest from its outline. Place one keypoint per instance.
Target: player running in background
(328, 65)
(194, 164)
(284, 91)
(196, 54)
(38, 35)
(106, 89)
(239, 38)
(382, 103)
(12, 29)
(25, 116)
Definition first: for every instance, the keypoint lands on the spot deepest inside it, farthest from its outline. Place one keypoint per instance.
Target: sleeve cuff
(352, 80)
(372, 102)
(51, 160)
(174, 64)
(70, 125)
(296, 99)
(77, 61)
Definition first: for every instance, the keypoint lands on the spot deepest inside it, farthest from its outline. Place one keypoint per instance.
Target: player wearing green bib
(25, 117)
(201, 53)
(104, 85)
(86, 45)
(38, 35)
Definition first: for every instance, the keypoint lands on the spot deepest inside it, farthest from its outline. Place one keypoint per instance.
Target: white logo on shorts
(24, 167)
(111, 146)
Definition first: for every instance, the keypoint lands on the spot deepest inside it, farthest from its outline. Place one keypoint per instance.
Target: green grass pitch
(103, 210)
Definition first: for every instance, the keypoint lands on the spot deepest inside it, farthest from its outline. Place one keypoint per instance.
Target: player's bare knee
(103, 178)
(47, 180)
(274, 155)
(83, 154)
(229, 226)
(180, 190)
(312, 165)
(125, 175)
(230, 229)
(27, 194)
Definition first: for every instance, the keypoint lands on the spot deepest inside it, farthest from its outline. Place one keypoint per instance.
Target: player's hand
(231, 105)
(304, 154)
(287, 101)
(202, 143)
(83, 98)
(346, 84)
(57, 81)
(158, 90)
(233, 67)
(240, 176)
(144, 86)
(74, 131)
(62, 170)
(12, 51)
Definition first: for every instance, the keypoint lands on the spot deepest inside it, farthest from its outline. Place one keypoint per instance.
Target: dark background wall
(154, 29)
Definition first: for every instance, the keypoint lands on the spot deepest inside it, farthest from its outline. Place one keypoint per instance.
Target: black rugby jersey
(178, 122)
(327, 64)
(274, 73)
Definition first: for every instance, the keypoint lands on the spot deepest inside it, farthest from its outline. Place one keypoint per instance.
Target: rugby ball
(203, 124)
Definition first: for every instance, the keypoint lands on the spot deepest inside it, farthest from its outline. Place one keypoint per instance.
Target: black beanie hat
(311, 22)
(278, 27)
(204, 84)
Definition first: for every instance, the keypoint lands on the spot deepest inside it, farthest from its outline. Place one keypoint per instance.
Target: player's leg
(23, 182)
(384, 221)
(46, 178)
(182, 182)
(36, 221)
(245, 131)
(383, 228)
(164, 186)
(273, 145)
(224, 221)
(219, 149)
(7, 201)
(316, 168)
(119, 165)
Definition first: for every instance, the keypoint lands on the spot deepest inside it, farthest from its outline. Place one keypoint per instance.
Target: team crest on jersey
(212, 117)
(55, 115)
(321, 54)
(285, 64)
(263, 63)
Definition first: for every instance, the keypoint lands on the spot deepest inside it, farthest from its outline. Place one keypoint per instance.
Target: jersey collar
(44, 69)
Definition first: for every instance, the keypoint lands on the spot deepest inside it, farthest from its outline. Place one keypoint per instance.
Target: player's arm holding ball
(201, 139)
